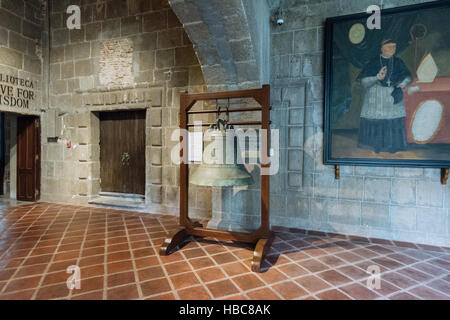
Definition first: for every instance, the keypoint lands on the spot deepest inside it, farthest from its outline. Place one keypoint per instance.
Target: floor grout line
(105, 260)
(31, 250)
(17, 238)
(53, 257)
(204, 286)
(133, 260)
(81, 250)
(173, 291)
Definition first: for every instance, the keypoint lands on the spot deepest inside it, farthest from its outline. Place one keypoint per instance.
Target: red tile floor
(117, 254)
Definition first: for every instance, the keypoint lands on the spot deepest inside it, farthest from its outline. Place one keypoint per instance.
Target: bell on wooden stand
(222, 171)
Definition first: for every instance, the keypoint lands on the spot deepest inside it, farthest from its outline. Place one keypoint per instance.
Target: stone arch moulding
(233, 47)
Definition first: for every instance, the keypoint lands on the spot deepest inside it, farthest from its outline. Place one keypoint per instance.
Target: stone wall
(21, 24)
(391, 203)
(87, 76)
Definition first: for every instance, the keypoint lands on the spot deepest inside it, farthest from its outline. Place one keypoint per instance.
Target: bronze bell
(221, 174)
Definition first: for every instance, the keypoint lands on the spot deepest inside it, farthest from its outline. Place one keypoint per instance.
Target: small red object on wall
(69, 144)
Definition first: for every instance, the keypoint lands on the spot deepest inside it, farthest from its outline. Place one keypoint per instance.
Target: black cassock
(385, 135)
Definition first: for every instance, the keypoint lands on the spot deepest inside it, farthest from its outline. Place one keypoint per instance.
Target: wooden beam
(236, 123)
(225, 110)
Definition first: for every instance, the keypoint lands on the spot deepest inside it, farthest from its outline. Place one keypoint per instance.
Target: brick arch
(231, 40)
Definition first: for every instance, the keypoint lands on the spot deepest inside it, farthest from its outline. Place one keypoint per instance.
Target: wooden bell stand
(262, 236)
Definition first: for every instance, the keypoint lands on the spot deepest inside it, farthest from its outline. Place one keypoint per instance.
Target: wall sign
(16, 92)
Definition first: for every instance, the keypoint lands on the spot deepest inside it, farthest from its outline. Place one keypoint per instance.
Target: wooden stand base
(261, 249)
(172, 241)
(177, 237)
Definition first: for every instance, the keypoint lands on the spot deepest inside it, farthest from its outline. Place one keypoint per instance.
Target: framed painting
(387, 90)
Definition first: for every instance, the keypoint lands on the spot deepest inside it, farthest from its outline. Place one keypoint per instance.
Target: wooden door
(122, 151)
(28, 158)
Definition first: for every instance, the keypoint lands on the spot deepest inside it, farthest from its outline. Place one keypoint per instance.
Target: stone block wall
(87, 76)
(226, 44)
(403, 204)
(21, 26)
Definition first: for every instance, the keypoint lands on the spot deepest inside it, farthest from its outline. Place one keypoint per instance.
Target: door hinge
(36, 123)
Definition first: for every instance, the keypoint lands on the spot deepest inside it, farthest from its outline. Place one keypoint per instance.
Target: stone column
(13, 157)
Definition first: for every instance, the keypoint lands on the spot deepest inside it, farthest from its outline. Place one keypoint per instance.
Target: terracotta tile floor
(117, 254)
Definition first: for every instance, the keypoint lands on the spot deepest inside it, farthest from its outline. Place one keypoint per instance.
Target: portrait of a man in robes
(387, 89)
(382, 125)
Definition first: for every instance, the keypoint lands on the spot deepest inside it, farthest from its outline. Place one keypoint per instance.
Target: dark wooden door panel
(28, 158)
(122, 151)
